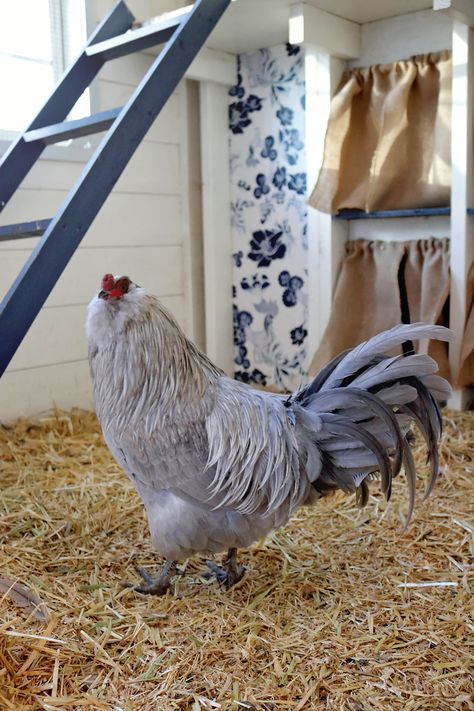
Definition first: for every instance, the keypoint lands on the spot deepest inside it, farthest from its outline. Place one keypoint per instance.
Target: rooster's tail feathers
(358, 410)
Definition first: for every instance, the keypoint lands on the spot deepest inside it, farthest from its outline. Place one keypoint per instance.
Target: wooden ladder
(184, 33)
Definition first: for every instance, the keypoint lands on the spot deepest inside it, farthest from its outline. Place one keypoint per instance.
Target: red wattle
(115, 293)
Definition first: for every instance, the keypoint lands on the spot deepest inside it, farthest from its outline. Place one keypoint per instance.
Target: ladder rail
(21, 156)
(66, 230)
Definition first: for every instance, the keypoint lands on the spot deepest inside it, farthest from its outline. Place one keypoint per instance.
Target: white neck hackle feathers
(145, 371)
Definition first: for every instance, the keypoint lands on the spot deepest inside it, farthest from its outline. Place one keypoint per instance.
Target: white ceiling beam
(327, 33)
(213, 65)
(459, 10)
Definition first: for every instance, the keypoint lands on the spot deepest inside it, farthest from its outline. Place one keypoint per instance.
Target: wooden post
(326, 237)
(462, 189)
(327, 41)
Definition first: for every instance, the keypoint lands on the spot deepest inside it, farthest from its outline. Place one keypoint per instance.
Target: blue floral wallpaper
(268, 169)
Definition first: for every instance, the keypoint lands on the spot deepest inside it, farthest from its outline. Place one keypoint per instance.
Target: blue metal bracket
(387, 214)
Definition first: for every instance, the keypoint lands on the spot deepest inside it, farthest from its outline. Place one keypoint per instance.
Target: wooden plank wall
(143, 230)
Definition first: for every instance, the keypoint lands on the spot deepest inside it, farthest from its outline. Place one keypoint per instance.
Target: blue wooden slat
(73, 129)
(21, 156)
(46, 263)
(384, 214)
(23, 230)
(137, 40)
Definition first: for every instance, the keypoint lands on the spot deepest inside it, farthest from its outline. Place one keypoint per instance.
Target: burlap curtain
(466, 371)
(388, 141)
(426, 276)
(379, 282)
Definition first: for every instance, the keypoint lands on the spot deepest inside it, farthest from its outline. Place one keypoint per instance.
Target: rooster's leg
(231, 572)
(158, 585)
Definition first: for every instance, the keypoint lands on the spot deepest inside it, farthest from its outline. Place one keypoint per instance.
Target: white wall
(144, 229)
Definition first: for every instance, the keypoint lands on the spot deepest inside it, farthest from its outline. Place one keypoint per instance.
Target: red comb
(108, 282)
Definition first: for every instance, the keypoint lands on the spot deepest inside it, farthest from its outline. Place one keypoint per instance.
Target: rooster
(218, 464)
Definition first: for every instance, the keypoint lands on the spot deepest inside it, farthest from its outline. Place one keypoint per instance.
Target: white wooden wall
(144, 230)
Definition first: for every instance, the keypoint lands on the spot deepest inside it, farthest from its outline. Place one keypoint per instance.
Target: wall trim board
(215, 162)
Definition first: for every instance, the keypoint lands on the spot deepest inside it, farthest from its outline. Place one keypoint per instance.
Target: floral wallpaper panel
(268, 169)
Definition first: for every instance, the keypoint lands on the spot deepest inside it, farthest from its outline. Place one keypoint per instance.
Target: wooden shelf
(388, 214)
(386, 42)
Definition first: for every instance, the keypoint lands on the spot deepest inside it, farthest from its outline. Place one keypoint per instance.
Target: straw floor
(342, 609)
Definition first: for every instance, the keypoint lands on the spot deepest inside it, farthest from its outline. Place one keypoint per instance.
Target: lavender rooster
(217, 464)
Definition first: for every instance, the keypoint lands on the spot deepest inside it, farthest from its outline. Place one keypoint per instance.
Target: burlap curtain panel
(466, 371)
(366, 300)
(426, 277)
(376, 278)
(388, 141)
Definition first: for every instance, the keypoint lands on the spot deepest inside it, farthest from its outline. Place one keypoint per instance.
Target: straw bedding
(342, 609)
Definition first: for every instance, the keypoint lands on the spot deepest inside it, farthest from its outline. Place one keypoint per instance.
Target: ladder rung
(22, 230)
(73, 129)
(136, 40)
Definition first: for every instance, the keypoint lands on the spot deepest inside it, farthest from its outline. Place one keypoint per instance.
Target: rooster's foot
(230, 574)
(155, 586)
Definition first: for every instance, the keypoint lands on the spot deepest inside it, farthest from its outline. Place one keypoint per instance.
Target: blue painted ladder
(184, 35)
